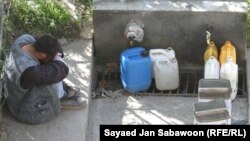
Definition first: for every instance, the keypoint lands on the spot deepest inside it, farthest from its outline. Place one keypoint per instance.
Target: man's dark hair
(48, 45)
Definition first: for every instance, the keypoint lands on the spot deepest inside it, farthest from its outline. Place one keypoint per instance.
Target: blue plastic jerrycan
(135, 65)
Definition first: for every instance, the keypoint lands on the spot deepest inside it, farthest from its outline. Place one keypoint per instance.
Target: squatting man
(33, 80)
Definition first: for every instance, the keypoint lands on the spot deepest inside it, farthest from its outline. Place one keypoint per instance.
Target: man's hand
(59, 54)
(58, 57)
(60, 50)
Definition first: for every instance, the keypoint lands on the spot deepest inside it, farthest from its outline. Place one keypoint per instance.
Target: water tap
(131, 37)
(134, 31)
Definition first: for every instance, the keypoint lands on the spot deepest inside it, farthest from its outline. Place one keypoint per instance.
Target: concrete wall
(179, 24)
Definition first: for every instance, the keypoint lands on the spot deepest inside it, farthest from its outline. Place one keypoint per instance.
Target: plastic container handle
(145, 53)
(158, 51)
(161, 60)
(228, 48)
(158, 62)
(211, 59)
(211, 51)
(133, 55)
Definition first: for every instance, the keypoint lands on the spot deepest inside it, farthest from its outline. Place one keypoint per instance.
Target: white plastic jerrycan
(161, 54)
(166, 74)
(212, 68)
(229, 71)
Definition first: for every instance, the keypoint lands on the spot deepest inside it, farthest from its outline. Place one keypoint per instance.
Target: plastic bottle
(229, 71)
(211, 50)
(160, 54)
(212, 68)
(227, 50)
(166, 74)
(135, 69)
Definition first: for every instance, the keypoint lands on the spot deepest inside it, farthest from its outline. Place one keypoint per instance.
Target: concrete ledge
(173, 5)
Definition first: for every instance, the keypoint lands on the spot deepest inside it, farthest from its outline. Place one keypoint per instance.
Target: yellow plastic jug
(211, 50)
(227, 50)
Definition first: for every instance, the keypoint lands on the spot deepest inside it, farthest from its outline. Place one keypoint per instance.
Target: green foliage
(89, 9)
(87, 2)
(39, 17)
(45, 16)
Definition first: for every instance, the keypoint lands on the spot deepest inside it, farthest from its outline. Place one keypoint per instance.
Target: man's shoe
(74, 103)
(72, 91)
